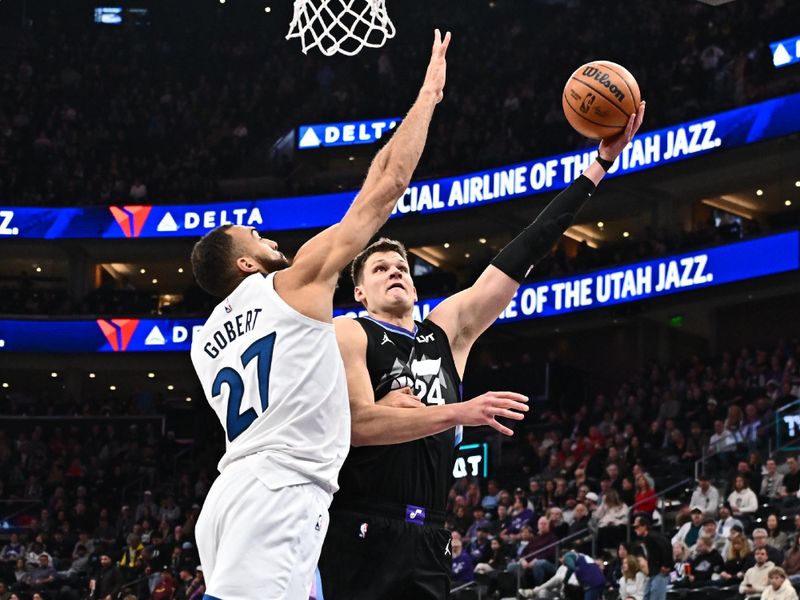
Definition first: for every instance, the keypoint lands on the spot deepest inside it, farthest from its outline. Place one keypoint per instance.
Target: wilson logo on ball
(605, 80)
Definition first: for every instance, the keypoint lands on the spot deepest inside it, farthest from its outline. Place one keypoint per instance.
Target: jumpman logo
(447, 551)
(386, 339)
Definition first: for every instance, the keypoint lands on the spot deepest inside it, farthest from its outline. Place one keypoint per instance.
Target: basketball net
(340, 26)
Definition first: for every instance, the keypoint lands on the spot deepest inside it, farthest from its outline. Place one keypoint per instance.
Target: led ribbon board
(770, 119)
(649, 279)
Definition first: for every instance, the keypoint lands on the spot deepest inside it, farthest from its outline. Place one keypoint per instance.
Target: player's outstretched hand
(612, 147)
(437, 68)
(401, 398)
(484, 410)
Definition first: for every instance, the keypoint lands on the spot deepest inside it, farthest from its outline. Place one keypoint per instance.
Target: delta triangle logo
(118, 332)
(130, 219)
(167, 223)
(155, 337)
(309, 139)
(781, 56)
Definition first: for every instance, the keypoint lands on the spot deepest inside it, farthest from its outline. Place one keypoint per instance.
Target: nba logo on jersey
(362, 531)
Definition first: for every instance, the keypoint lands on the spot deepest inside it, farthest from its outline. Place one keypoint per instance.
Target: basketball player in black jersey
(386, 539)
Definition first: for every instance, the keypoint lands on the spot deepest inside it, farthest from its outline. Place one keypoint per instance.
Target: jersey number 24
(236, 423)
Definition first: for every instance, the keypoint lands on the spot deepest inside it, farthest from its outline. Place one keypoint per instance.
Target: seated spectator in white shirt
(706, 496)
(742, 499)
(756, 578)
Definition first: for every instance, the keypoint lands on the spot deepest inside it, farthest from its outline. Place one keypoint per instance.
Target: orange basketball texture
(599, 97)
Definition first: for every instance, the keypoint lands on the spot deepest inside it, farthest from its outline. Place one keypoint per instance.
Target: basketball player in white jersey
(270, 367)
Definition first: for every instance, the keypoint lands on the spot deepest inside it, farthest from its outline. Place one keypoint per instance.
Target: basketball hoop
(340, 26)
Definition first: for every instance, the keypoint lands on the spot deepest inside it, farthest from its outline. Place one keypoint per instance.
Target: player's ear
(358, 294)
(246, 264)
(414, 289)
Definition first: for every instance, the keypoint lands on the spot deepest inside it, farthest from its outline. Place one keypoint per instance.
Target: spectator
(13, 550)
(709, 530)
(756, 578)
(791, 482)
(706, 563)
(772, 481)
(774, 555)
(779, 587)
(690, 531)
(165, 589)
(539, 555)
(742, 499)
(727, 520)
(655, 549)
(633, 581)
(580, 573)
(680, 557)
(41, 576)
(197, 587)
(463, 565)
(479, 548)
(611, 518)
(791, 562)
(705, 496)
(646, 499)
(775, 537)
(736, 553)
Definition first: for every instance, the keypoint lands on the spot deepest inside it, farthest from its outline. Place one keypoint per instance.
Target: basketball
(599, 98)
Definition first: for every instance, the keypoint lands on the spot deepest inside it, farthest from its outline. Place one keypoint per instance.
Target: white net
(340, 26)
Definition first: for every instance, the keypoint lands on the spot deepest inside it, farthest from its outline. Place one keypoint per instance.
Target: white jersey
(276, 380)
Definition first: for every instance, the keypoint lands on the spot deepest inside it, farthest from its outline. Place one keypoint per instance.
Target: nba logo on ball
(599, 98)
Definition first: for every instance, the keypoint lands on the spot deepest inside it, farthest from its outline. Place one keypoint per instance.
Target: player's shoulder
(348, 326)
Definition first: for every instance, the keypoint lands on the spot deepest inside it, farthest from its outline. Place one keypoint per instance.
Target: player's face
(256, 254)
(386, 283)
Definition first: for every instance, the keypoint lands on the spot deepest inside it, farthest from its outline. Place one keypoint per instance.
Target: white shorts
(260, 544)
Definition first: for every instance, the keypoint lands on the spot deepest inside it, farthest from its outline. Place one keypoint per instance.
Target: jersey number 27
(236, 423)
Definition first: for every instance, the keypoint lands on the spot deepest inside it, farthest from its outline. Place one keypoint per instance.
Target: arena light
(797, 184)
(482, 240)
(188, 399)
(447, 244)
(466, 255)
(180, 269)
(788, 203)
(151, 375)
(626, 234)
(5, 385)
(155, 281)
(267, 9)
(113, 388)
(92, 375)
(170, 387)
(53, 374)
(38, 269)
(600, 224)
(142, 271)
(759, 192)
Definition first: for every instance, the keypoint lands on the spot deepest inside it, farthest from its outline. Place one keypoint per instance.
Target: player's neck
(406, 321)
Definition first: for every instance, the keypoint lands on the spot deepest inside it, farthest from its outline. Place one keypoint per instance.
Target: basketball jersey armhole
(283, 306)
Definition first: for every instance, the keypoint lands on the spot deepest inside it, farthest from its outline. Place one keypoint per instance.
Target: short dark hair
(212, 262)
(381, 245)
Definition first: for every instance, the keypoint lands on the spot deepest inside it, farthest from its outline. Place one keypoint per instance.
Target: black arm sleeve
(535, 241)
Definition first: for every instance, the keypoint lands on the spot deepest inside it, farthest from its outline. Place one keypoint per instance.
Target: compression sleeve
(535, 241)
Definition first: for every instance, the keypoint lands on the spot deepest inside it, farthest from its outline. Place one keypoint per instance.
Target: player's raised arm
(466, 315)
(323, 257)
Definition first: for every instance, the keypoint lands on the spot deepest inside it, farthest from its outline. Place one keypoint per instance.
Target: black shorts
(378, 555)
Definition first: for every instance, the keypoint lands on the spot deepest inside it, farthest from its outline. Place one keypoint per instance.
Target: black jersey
(418, 473)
